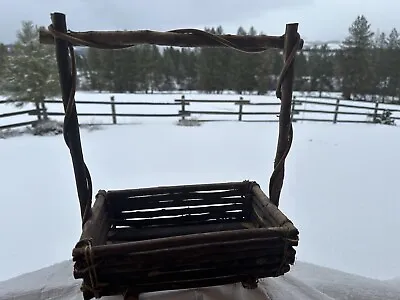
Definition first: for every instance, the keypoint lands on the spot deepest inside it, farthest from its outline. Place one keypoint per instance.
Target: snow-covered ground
(305, 282)
(340, 191)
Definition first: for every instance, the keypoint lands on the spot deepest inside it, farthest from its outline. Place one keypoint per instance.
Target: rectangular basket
(178, 237)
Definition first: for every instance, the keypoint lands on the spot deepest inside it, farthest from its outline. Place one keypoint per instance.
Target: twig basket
(177, 237)
(187, 236)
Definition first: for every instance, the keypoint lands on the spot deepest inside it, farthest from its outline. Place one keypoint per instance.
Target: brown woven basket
(179, 237)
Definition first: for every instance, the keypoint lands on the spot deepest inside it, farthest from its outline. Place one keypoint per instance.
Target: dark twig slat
(189, 219)
(134, 234)
(129, 204)
(175, 195)
(181, 211)
(194, 254)
(181, 189)
(261, 270)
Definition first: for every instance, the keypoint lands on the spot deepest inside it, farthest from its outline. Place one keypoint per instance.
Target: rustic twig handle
(57, 33)
(177, 37)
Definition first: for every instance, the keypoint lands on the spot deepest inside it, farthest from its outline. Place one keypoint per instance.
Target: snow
(341, 285)
(340, 191)
(305, 282)
(56, 282)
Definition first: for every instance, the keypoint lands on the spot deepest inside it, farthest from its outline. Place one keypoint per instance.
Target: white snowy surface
(305, 282)
(340, 190)
(56, 282)
(341, 285)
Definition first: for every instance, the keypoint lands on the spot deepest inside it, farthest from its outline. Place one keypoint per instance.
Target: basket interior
(160, 212)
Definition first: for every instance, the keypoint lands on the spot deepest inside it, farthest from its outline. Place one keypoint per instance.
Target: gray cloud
(319, 19)
(145, 14)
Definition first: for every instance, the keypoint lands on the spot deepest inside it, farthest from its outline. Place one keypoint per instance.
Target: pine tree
(111, 73)
(393, 62)
(380, 65)
(263, 72)
(250, 63)
(129, 73)
(211, 67)
(277, 65)
(222, 67)
(320, 69)
(191, 69)
(3, 59)
(300, 71)
(168, 70)
(155, 76)
(93, 69)
(239, 74)
(356, 68)
(178, 68)
(31, 71)
(187, 75)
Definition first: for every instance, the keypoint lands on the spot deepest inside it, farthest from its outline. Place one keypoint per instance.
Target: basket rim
(199, 187)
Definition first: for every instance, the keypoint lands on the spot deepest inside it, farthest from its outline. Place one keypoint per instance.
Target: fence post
(293, 108)
(113, 113)
(44, 109)
(376, 110)
(240, 108)
(336, 111)
(183, 108)
(38, 110)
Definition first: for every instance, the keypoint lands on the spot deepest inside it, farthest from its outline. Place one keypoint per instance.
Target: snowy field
(340, 178)
(232, 108)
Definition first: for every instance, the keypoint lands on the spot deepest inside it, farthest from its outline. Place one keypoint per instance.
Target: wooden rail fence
(17, 113)
(184, 111)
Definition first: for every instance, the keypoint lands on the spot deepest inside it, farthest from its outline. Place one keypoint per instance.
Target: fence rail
(17, 124)
(301, 110)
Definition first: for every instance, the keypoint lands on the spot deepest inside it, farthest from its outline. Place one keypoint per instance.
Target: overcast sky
(319, 19)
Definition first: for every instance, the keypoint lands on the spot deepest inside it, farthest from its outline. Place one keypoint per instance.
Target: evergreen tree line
(365, 63)
(151, 68)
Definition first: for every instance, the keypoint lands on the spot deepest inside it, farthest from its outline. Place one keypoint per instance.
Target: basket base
(251, 283)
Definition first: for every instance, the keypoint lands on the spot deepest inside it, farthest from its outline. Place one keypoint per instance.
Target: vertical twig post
(335, 116)
(183, 113)
(74, 140)
(291, 37)
(240, 108)
(113, 113)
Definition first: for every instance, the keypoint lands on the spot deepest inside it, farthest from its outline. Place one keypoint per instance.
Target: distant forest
(366, 63)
